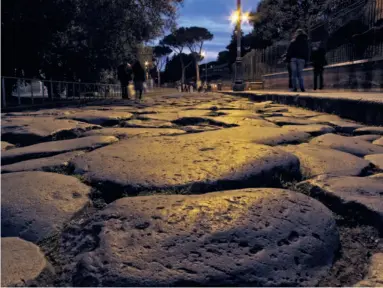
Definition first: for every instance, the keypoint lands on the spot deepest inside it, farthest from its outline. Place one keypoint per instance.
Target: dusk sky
(213, 15)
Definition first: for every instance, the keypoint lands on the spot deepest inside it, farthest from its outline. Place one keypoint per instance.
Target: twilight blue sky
(213, 15)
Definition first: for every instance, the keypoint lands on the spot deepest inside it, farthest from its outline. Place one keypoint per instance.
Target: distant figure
(318, 59)
(288, 66)
(125, 76)
(139, 78)
(298, 52)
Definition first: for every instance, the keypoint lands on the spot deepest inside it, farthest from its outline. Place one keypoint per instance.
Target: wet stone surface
(186, 189)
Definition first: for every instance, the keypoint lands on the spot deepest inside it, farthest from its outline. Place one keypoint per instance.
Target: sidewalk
(349, 95)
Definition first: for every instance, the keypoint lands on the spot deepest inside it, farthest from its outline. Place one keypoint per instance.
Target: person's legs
(293, 65)
(289, 71)
(300, 66)
(315, 78)
(321, 78)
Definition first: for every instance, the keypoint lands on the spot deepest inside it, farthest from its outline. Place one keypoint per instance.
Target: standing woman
(139, 78)
(298, 53)
(318, 59)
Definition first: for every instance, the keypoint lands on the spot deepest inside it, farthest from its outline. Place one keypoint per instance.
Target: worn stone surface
(195, 160)
(318, 160)
(6, 146)
(242, 121)
(378, 141)
(379, 175)
(339, 124)
(375, 272)
(367, 137)
(58, 162)
(22, 263)
(376, 159)
(361, 195)
(377, 130)
(100, 117)
(31, 130)
(249, 237)
(313, 129)
(260, 135)
(135, 132)
(148, 123)
(289, 121)
(53, 148)
(347, 144)
(36, 204)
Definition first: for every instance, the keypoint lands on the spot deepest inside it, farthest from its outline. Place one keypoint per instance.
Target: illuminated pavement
(92, 189)
(357, 96)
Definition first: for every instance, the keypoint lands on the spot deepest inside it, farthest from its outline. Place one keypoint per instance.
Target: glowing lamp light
(146, 63)
(245, 17)
(234, 17)
(203, 54)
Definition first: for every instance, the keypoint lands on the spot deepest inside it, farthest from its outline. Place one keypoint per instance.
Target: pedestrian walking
(318, 60)
(288, 66)
(298, 53)
(139, 79)
(124, 76)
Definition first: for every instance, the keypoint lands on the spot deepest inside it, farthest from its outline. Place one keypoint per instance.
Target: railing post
(43, 90)
(33, 102)
(3, 90)
(18, 92)
(51, 90)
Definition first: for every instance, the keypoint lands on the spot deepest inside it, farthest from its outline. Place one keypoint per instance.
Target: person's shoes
(295, 90)
(303, 90)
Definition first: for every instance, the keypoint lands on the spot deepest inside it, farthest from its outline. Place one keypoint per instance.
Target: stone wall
(363, 75)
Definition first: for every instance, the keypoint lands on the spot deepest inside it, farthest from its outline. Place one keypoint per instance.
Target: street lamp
(203, 54)
(237, 17)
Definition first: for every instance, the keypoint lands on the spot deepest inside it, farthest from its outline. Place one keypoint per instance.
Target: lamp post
(237, 17)
(203, 54)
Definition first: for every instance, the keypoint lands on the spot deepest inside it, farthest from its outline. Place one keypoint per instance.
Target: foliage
(78, 39)
(223, 57)
(232, 47)
(173, 69)
(160, 54)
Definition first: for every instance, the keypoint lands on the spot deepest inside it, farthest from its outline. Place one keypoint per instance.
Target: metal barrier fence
(22, 91)
(369, 12)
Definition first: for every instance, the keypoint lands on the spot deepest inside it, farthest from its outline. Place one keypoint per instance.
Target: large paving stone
(368, 137)
(244, 121)
(375, 272)
(196, 161)
(347, 144)
(31, 130)
(363, 196)
(341, 125)
(313, 129)
(378, 141)
(6, 146)
(55, 147)
(376, 159)
(148, 123)
(369, 130)
(135, 132)
(101, 117)
(36, 204)
(249, 237)
(288, 121)
(260, 135)
(318, 160)
(23, 264)
(49, 164)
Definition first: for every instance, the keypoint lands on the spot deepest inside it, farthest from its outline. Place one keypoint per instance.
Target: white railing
(24, 91)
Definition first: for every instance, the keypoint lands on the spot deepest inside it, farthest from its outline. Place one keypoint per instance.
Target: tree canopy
(73, 39)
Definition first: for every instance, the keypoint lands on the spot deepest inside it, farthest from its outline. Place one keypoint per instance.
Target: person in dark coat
(298, 53)
(318, 59)
(124, 75)
(288, 66)
(139, 78)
